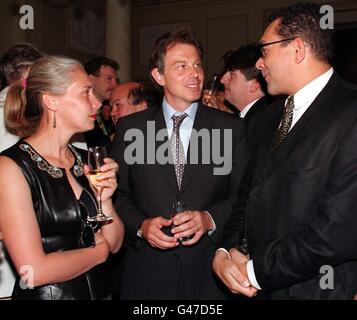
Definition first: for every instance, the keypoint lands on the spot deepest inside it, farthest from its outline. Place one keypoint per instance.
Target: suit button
(176, 257)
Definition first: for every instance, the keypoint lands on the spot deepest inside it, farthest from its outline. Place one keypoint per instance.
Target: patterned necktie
(178, 152)
(285, 125)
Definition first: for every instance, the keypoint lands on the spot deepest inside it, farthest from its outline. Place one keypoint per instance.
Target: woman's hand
(107, 179)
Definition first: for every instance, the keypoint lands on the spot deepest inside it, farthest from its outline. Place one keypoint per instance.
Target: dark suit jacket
(96, 136)
(252, 120)
(148, 190)
(257, 107)
(302, 207)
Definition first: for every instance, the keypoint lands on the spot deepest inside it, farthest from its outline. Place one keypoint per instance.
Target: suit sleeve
(234, 230)
(328, 238)
(221, 212)
(131, 215)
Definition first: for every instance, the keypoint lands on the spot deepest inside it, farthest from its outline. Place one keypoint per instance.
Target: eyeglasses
(262, 45)
(87, 233)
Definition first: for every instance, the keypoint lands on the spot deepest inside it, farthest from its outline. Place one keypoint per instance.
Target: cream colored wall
(50, 33)
(118, 36)
(9, 25)
(133, 25)
(220, 25)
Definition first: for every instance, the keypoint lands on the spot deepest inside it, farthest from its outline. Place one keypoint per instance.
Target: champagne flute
(210, 92)
(96, 157)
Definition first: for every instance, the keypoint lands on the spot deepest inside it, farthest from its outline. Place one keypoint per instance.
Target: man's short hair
(303, 20)
(140, 94)
(3, 82)
(18, 59)
(243, 59)
(93, 66)
(167, 41)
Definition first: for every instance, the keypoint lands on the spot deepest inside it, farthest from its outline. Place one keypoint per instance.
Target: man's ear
(254, 86)
(142, 106)
(50, 102)
(155, 73)
(300, 49)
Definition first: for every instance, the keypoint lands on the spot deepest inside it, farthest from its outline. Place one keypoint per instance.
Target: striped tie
(285, 125)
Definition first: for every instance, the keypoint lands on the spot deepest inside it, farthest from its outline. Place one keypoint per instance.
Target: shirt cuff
(222, 249)
(214, 225)
(251, 275)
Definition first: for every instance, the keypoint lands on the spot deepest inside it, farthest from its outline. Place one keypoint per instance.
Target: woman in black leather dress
(45, 195)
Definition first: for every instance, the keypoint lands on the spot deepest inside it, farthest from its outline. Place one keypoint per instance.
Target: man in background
(102, 73)
(125, 99)
(14, 65)
(245, 89)
(244, 86)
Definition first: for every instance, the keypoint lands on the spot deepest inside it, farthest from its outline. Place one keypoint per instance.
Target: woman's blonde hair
(24, 106)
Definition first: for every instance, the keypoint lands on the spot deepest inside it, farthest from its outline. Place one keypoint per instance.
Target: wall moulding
(86, 29)
(154, 5)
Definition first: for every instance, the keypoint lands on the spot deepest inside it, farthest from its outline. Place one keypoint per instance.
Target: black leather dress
(59, 217)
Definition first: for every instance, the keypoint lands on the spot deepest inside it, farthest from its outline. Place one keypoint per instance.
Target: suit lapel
(256, 107)
(201, 121)
(168, 169)
(260, 133)
(309, 121)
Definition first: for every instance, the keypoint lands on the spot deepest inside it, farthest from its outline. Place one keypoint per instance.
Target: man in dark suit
(244, 86)
(245, 89)
(301, 214)
(158, 265)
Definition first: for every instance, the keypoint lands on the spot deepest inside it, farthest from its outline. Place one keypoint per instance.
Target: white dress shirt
(6, 138)
(245, 110)
(187, 123)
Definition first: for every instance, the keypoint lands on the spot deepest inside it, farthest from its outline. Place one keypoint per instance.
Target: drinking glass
(96, 157)
(177, 207)
(210, 91)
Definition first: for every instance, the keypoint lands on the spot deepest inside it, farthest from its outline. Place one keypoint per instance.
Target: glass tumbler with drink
(177, 207)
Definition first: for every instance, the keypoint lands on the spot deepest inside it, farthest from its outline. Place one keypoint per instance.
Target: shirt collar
(245, 110)
(170, 111)
(307, 94)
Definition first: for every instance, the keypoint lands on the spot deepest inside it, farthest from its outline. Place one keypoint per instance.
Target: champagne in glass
(93, 174)
(211, 90)
(96, 157)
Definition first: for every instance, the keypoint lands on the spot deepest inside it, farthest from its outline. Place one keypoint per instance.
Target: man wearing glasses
(301, 214)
